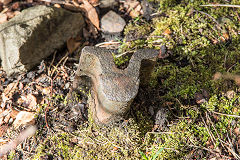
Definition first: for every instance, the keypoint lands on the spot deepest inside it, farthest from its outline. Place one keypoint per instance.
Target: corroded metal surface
(113, 89)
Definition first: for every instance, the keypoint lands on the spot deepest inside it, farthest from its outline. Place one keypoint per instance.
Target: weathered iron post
(113, 89)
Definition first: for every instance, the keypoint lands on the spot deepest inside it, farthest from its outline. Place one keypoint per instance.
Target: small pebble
(112, 23)
(230, 94)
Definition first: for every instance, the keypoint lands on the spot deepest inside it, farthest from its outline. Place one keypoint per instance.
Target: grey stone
(112, 23)
(34, 34)
(113, 89)
(108, 3)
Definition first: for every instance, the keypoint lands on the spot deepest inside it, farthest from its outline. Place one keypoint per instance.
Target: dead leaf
(10, 88)
(6, 119)
(15, 5)
(32, 101)
(167, 32)
(135, 12)
(20, 86)
(10, 14)
(8, 92)
(115, 149)
(44, 101)
(130, 5)
(75, 2)
(72, 7)
(3, 129)
(5, 2)
(3, 18)
(23, 118)
(216, 117)
(235, 110)
(29, 100)
(91, 13)
(217, 76)
(214, 41)
(237, 131)
(72, 45)
(57, 5)
(237, 80)
(224, 37)
(1, 121)
(46, 90)
(14, 113)
(94, 2)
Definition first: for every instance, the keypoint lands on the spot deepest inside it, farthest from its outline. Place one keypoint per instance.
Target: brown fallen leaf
(14, 113)
(167, 32)
(57, 5)
(23, 118)
(8, 92)
(72, 45)
(72, 7)
(135, 12)
(224, 37)
(94, 2)
(9, 88)
(217, 76)
(31, 100)
(16, 5)
(235, 110)
(6, 119)
(1, 121)
(5, 2)
(91, 13)
(20, 86)
(10, 14)
(3, 129)
(3, 18)
(115, 149)
(46, 90)
(237, 131)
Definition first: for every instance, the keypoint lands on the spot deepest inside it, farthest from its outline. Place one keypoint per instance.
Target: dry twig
(222, 114)
(221, 5)
(4, 149)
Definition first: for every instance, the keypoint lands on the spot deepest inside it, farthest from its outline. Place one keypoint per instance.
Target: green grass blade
(157, 153)
(143, 155)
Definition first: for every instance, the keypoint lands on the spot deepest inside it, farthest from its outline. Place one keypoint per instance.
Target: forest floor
(189, 110)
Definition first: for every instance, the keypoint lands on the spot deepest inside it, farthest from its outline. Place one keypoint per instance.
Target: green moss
(120, 60)
(138, 29)
(95, 142)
